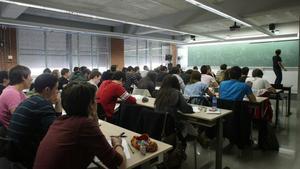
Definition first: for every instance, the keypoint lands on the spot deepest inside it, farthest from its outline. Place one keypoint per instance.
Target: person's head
(170, 66)
(95, 76)
(124, 69)
(170, 81)
(65, 73)
(152, 76)
(55, 72)
(174, 70)
(146, 68)
(4, 78)
(190, 71)
(245, 71)
(86, 73)
(107, 75)
(195, 77)
(278, 52)
(20, 75)
(119, 76)
(136, 69)
(179, 66)
(223, 67)
(226, 74)
(235, 73)
(46, 85)
(47, 70)
(76, 69)
(113, 68)
(195, 68)
(257, 73)
(166, 90)
(164, 69)
(204, 69)
(78, 99)
(130, 69)
(82, 68)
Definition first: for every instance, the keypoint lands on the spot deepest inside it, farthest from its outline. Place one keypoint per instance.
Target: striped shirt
(30, 123)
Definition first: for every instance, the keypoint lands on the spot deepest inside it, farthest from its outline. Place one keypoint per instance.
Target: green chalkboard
(244, 54)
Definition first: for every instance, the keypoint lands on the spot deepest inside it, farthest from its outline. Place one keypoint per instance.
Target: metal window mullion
(45, 49)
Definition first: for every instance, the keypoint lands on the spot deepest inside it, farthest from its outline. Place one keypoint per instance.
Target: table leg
(277, 109)
(219, 144)
(289, 100)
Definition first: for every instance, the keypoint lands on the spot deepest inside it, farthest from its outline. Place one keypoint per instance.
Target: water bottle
(214, 103)
(143, 147)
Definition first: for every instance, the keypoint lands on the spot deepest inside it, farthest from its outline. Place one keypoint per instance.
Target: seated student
(262, 87)
(110, 90)
(234, 89)
(259, 85)
(169, 98)
(144, 71)
(163, 71)
(64, 79)
(95, 78)
(175, 71)
(195, 87)
(131, 79)
(32, 118)
(12, 95)
(74, 139)
(3, 80)
(220, 73)
(244, 76)
(148, 82)
(206, 78)
(186, 76)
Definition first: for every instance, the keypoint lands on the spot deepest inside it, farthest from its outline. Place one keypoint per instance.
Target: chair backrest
(100, 112)
(237, 126)
(143, 92)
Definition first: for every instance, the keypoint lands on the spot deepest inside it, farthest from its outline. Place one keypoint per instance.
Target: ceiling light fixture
(215, 11)
(89, 16)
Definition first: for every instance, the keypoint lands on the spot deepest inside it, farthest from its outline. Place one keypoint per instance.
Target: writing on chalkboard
(244, 54)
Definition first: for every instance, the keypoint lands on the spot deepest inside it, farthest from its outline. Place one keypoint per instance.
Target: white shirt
(259, 85)
(144, 73)
(92, 82)
(207, 79)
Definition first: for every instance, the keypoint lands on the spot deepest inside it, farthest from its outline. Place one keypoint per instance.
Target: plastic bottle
(214, 103)
(143, 147)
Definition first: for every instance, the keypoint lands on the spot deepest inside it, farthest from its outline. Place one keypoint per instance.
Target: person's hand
(116, 141)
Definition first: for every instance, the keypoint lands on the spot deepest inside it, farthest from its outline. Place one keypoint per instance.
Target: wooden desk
(137, 158)
(200, 118)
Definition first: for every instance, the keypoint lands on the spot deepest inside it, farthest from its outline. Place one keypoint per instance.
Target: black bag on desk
(267, 139)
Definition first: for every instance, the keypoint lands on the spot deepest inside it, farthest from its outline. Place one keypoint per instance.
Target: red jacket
(107, 96)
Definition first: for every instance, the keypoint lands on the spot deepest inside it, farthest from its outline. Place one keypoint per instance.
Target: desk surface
(197, 115)
(137, 158)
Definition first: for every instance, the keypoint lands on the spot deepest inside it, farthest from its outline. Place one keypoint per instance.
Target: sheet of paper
(210, 111)
(125, 146)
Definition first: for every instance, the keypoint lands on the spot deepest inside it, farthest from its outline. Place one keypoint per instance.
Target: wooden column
(117, 53)
(174, 54)
(8, 47)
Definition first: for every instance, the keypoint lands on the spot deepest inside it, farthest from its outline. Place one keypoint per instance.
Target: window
(143, 52)
(39, 49)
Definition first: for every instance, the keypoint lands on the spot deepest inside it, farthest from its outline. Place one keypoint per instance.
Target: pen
(130, 148)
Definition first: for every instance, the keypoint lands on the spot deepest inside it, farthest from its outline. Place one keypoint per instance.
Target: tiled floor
(287, 157)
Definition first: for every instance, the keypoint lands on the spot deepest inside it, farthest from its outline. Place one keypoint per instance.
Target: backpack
(267, 139)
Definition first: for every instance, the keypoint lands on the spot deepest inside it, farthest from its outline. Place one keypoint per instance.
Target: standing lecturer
(277, 66)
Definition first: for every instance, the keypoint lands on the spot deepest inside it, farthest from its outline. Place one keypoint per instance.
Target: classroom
(156, 84)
